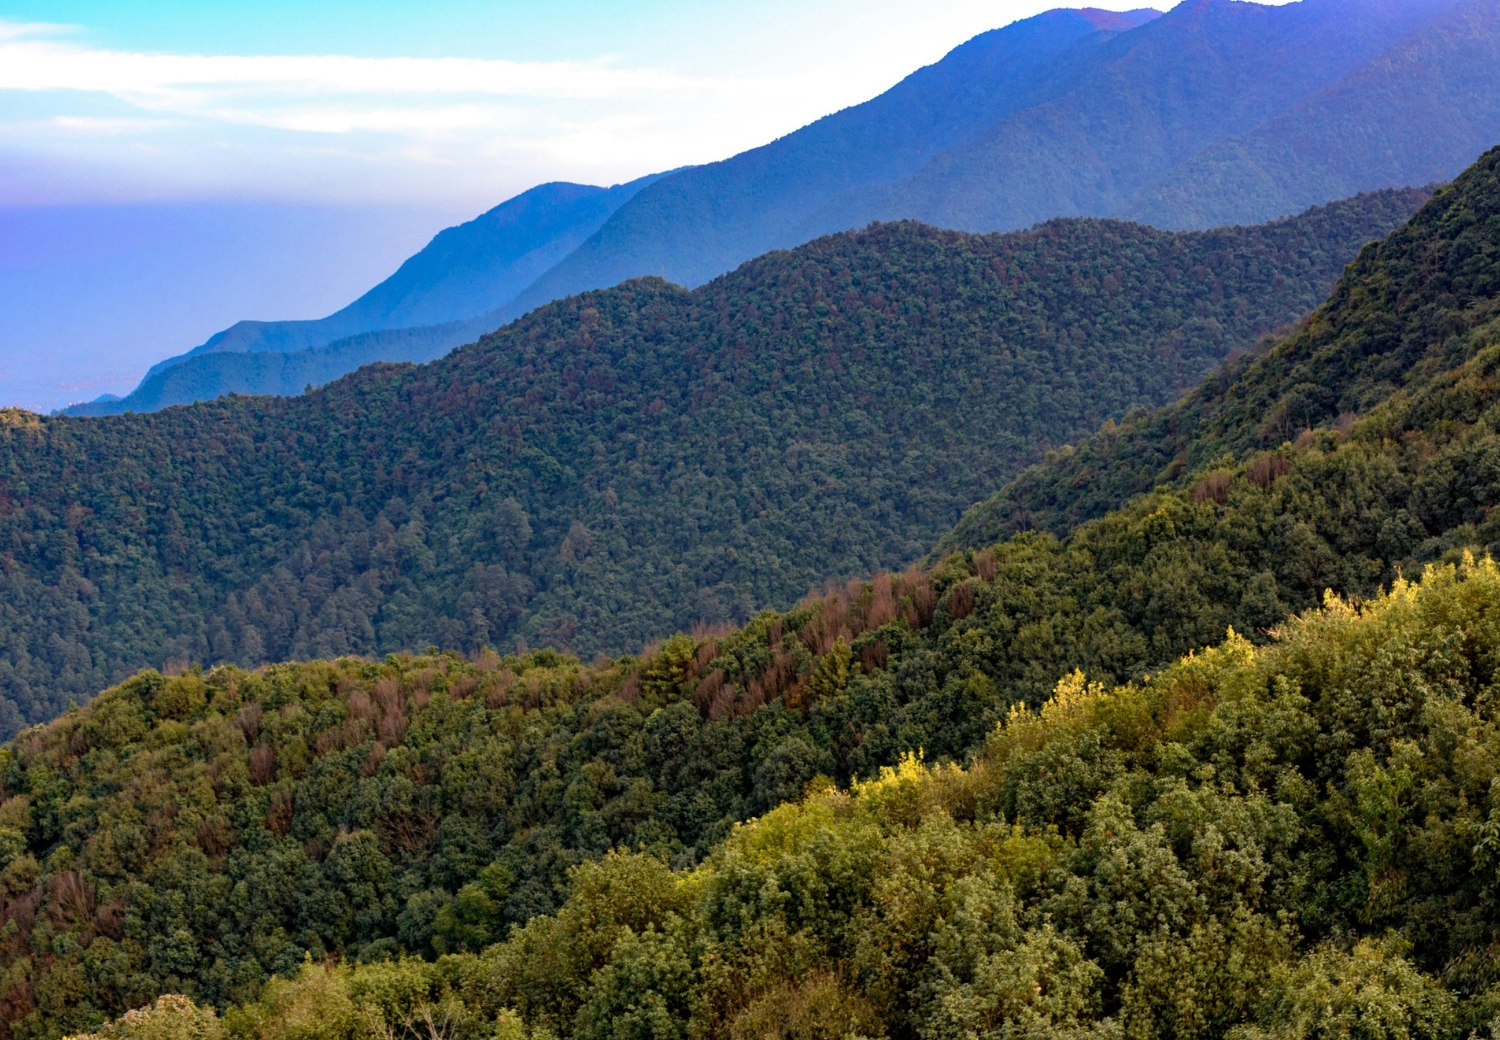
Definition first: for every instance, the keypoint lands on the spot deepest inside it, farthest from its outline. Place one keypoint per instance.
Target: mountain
(205, 376)
(1101, 117)
(1215, 113)
(708, 219)
(1380, 335)
(1288, 834)
(627, 462)
(1416, 114)
(1155, 114)
(419, 311)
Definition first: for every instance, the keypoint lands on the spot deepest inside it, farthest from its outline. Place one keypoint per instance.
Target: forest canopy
(623, 464)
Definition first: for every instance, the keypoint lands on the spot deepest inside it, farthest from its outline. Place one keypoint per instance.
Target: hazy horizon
(355, 134)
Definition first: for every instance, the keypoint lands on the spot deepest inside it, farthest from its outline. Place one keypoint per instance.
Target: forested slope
(625, 463)
(1406, 311)
(1266, 840)
(1296, 841)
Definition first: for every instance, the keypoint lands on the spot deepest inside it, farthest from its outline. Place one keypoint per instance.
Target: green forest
(1131, 771)
(627, 463)
(1300, 840)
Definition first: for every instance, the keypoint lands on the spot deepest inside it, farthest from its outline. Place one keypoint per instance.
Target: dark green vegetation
(622, 464)
(1413, 314)
(1297, 840)
(1217, 112)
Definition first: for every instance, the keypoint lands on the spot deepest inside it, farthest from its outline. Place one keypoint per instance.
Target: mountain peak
(1117, 21)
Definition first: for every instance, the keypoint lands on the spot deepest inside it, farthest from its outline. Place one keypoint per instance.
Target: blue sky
(451, 104)
(170, 166)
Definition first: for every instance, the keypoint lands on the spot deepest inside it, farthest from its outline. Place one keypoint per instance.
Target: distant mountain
(626, 462)
(419, 311)
(1216, 113)
(1075, 113)
(1413, 115)
(205, 376)
(91, 294)
(705, 220)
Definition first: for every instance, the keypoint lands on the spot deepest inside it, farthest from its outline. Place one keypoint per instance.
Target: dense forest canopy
(1289, 835)
(1406, 312)
(1293, 841)
(626, 463)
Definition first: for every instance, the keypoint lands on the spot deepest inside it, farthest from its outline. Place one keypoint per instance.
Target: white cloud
(204, 123)
(109, 125)
(33, 60)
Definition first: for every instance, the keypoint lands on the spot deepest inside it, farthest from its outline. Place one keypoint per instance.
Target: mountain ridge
(1032, 788)
(723, 447)
(427, 306)
(1056, 116)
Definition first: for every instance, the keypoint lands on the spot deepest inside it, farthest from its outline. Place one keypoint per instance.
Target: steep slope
(1158, 97)
(623, 463)
(1292, 841)
(464, 272)
(700, 222)
(1403, 313)
(1416, 113)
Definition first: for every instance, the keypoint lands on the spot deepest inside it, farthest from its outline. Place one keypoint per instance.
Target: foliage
(1406, 312)
(1229, 868)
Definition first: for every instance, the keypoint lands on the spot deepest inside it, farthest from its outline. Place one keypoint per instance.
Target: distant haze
(167, 169)
(90, 296)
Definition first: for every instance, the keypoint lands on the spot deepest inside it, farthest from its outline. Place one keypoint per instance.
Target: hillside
(1135, 118)
(1272, 107)
(1404, 313)
(1292, 841)
(1261, 840)
(625, 463)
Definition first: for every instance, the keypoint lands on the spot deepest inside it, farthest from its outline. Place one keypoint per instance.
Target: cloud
(315, 126)
(10, 30)
(34, 60)
(108, 125)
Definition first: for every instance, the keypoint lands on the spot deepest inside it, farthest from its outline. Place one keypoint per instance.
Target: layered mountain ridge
(625, 462)
(1214, 113)
(1254, 840)
(416, 314)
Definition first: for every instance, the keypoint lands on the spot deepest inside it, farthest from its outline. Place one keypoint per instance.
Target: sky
(377, 123)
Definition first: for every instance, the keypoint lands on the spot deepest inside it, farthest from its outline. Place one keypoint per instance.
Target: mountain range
(734, 833)
(625, 462)
(1217, 112)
